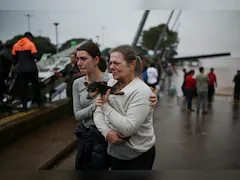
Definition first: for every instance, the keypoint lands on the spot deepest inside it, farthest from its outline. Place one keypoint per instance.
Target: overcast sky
(200, 31)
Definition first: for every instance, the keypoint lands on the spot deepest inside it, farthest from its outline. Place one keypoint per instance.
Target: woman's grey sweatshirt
(130, 115)
(83, 107)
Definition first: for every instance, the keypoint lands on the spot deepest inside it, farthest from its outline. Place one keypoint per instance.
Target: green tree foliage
(43, 44)
(67, 44)
(141, 51)
(106, 51)
(170, 40)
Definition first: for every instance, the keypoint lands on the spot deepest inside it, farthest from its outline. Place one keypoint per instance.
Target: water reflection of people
(235, 112)
(194, 126)
(200, 122)
(188, 123)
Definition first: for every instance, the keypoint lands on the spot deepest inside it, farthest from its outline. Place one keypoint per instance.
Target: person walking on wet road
(236, 81)
(211, 85)
(129, 115)
(190, 90)
(169, 75)
(202, 90)
(25, 55)
(183, 87)
(152, 76)
(92, 146)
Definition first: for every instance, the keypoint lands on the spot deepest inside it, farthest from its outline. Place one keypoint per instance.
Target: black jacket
(5, 60)
(91, 150)
(236, 80)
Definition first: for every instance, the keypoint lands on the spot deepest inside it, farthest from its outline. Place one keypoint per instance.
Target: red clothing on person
(212, 78)
(190, 82)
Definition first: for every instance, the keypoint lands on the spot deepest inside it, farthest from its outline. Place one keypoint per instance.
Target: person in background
(183, 87)
(202, 90)
(25, 55)
(236, 81)
(129, 115)
(91, 146)
(159, 69)
(5, 66)
(144, 73)
(169, 74)
(72, 72)
(190, 88)
(152, 76)
(211, 85)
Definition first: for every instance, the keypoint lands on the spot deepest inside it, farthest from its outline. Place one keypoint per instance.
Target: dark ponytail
(102, 65)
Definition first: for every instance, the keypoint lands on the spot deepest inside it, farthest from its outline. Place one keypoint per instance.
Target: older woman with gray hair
(130, 115)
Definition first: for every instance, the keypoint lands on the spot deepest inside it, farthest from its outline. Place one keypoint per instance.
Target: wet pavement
(190, 141)
(185, 141)
(198, 142)
(34, 150)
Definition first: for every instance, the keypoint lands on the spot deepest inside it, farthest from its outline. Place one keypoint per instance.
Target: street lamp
(103, 28)
(28, 16)
(97, 39)
(56, 24)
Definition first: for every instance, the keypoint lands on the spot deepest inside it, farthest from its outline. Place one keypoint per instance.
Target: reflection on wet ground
(191, 141)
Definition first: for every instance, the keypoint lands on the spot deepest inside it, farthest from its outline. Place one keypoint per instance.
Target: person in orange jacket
(25, 55)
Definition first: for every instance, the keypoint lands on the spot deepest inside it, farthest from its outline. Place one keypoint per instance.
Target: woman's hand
(114, 138)
(153, 98)
(104, 97)
(99, 101)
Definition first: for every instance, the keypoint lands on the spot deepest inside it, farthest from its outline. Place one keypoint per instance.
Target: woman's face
(86, 63)
(119, 67)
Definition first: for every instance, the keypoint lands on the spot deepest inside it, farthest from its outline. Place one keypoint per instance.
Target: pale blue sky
(200, 31)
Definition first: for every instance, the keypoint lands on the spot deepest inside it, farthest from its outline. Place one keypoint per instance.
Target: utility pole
(56, 24)
(176, 20)
(162, 34)
(144, 18)
(176, 29)
(28, 17)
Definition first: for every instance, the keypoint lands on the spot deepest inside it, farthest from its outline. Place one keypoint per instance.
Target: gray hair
(130, 55)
